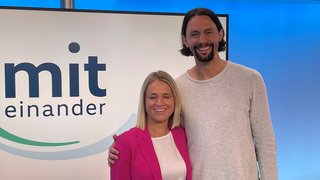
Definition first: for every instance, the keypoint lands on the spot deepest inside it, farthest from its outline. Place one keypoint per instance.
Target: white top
(171, 163)
(228, 125)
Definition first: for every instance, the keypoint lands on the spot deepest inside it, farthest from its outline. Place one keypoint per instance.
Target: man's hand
(113, 154)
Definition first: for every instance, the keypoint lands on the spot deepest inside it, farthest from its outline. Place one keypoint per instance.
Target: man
(225, 105)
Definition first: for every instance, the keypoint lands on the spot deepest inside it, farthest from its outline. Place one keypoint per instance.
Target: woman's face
(159, 102)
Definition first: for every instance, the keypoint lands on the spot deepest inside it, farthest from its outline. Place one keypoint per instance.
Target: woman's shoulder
(178, 130)
(127, 139)
(129, 133)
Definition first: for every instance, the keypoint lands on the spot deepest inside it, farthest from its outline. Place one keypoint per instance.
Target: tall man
(225, 106)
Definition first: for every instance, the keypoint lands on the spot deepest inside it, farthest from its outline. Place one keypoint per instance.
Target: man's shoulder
(182, 76)
(239, 66)
(180, 79)
(242, 69)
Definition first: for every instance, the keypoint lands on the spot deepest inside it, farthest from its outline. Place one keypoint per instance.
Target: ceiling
(274, 1)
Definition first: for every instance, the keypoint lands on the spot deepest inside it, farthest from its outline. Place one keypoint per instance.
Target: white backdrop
(129, 46)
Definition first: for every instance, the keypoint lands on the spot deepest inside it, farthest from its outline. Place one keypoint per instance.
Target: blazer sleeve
(121, 170)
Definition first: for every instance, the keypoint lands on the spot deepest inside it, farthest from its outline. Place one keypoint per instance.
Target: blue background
(281, 39)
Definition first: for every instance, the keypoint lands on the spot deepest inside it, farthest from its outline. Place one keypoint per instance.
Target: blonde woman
(156, 148)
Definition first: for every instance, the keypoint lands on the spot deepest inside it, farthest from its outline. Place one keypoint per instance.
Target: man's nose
(202, 38)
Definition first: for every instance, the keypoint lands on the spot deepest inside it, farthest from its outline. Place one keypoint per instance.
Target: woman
(156, 148)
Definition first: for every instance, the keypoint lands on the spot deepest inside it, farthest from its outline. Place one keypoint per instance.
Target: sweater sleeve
(122, 168)
(262, 130)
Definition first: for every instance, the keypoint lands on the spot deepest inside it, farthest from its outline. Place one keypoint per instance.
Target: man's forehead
(201, 22)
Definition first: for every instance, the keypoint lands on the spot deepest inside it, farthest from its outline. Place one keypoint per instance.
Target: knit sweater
(228, 126)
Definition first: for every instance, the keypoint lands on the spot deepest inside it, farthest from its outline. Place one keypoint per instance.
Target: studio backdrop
(71, 79)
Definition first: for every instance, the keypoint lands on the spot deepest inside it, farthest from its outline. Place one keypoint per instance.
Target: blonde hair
(175, 119)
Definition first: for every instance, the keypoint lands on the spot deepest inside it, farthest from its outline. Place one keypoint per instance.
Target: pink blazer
(137, 158)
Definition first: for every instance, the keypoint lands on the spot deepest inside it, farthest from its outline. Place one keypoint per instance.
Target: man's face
(202, 37)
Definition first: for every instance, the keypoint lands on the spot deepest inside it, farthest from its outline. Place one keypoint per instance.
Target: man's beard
(206, 58)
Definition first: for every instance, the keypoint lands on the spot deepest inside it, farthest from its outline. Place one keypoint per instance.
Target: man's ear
(184, 40)
(221, 35)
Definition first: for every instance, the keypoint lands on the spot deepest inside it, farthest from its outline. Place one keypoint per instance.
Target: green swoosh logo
(11, 137)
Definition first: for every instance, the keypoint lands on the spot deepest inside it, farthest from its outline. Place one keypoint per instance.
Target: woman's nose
(159, 101)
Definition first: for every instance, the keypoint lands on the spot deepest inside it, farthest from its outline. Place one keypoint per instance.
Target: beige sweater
(228, 126)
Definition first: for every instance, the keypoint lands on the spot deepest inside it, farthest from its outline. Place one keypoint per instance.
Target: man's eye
(194, 35)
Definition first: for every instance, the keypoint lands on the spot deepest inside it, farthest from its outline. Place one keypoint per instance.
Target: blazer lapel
(179, 142)
(149, 154)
